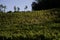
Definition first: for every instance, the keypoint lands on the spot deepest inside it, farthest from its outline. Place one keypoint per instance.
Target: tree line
(37, 5)
(16, 9)
(45, 4)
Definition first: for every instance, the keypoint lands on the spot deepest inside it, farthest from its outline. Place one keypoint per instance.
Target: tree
(4, 8)
(45, 4)
(14, 8)
(26, 7)
(18, 9)
(1, 7)
(9, 12)
(34, 6)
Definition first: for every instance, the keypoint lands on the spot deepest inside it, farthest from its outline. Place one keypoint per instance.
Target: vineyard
(35, 25)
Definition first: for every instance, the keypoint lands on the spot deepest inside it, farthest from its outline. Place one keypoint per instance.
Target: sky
(18, 3)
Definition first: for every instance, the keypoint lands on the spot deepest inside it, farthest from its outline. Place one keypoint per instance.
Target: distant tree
(14, 8)
(1, 7)
(9, 12)
(18, 9)
(4, 8)
(45, 4)
(34, 6)
(26, 7)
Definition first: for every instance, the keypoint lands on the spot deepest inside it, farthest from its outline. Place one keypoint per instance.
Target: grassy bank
(35, 25)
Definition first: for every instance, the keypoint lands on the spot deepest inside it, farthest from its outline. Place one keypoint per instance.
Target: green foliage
(34, 25)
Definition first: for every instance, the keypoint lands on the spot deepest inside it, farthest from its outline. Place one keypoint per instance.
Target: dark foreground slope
(36, 25)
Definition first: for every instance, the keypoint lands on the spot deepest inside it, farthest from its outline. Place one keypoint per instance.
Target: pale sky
(18, 3)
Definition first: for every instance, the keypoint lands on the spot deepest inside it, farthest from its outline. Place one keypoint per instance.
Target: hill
(35, 25)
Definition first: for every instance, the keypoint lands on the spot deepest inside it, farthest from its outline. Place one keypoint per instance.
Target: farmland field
(35, 25)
